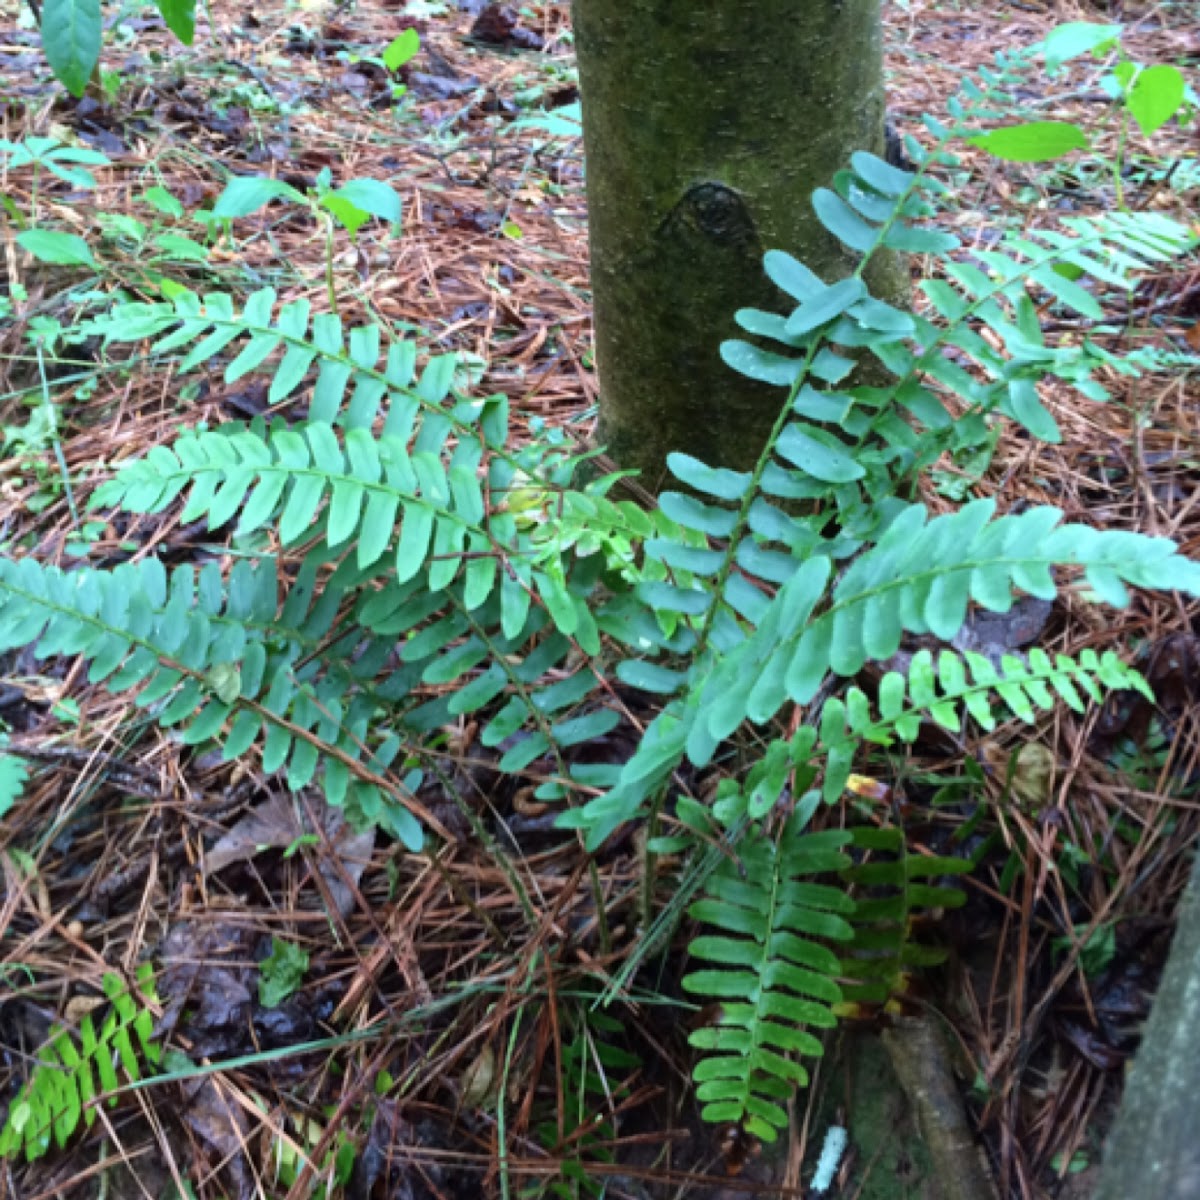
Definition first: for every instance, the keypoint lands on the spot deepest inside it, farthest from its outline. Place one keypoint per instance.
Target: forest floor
(409, 1058)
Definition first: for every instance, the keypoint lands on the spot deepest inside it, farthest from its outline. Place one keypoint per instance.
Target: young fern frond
(895, 891)
(73, 1075)
(771, 969)
(956, 686)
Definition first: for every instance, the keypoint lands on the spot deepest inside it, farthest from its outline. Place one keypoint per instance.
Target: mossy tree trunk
(1154, 1147)
(707, 127)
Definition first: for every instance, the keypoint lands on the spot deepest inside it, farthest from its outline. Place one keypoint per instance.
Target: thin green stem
(1119, 159)
(51, 418)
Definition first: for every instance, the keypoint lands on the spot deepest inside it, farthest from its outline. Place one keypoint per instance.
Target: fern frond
(356, 490)
(772, 971)
(895, 892)
(959, 685)
(72, 1077)
(847, 442)
(207, 655)
(920, 578)
(347, 363)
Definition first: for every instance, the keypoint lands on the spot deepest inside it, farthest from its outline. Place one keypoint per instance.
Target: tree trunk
(1154, 1148)
(707, 127)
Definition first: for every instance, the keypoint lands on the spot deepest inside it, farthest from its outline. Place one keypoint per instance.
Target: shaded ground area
(441, 1041)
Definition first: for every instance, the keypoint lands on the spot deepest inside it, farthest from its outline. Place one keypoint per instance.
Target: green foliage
(351, 204)
(1145, 96)
(894, 890)
(69, 163)
(969, 684)
(281, 972)
(54, 246)
(72, 31)
(75, 1073)
(771, 969)
(399, 563)
(592, 1070)
(14, 773)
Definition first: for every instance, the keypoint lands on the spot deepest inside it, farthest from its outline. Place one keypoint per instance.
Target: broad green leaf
(1035, 141)
(348, 215)
(372, 196)
(177, 248)
(180, 16)
(1157, 95)
(63, 249)
(162, 200)
(246, 194)
(71, 32)
(401, 49)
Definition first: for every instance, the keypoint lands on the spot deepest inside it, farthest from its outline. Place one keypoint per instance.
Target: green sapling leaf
(401, 50)
(63, 249)
(1035, 141)
(247, 194)
(180, 16)
(373, 196)
(348, 215)
(1156, 96)
(71, 38)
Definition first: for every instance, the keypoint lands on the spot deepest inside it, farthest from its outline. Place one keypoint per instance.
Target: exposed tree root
(919, 1056)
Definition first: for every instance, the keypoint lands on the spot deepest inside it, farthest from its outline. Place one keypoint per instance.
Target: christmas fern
(75, 1072)
(771, 970)
(398, 564)
(895, 890)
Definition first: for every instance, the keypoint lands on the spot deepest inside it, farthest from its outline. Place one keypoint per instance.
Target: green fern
(14, 774)
(919, 578)
(895, 891)
(961, 685)
(434, 573)
(772, 970)
(871, 907)
(74, 1074)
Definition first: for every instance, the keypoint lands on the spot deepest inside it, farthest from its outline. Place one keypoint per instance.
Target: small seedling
(1147, 96)
(282, 973)
(350, 206)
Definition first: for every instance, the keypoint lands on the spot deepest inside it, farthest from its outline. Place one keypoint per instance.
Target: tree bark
(1154, 1148)
(707, 127)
